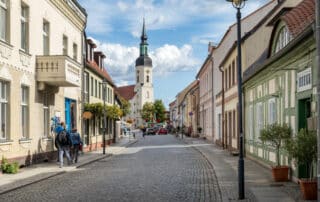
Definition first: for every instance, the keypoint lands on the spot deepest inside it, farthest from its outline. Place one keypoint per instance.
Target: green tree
(125, 107)
(160, 111)
(147, 111)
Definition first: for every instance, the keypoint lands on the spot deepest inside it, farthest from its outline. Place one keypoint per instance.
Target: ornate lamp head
(237, 3)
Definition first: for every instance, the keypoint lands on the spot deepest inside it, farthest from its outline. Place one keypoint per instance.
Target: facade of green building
(280, 87)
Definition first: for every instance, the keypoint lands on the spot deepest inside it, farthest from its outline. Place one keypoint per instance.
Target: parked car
(150, 131)
(162, 131)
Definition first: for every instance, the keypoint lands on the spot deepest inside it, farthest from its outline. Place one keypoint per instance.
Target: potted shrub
(10, 168)
(303, 148)
(276, 134)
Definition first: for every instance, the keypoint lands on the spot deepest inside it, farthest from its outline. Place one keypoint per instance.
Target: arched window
(147, 78)
(137, 76)
(283, 38)
(147, 94)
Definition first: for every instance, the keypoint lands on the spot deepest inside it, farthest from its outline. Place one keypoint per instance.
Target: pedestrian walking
(60, 127)
(76, 142)
(63, 143)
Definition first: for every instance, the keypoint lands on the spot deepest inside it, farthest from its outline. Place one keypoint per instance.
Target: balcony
(58, 70)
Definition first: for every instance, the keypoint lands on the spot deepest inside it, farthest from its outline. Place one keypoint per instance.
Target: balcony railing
(58, 70)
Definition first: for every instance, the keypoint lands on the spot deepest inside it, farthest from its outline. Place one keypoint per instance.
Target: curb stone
(60, 172)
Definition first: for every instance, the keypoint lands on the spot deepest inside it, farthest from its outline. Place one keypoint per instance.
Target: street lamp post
(104, 83)
(238, 4)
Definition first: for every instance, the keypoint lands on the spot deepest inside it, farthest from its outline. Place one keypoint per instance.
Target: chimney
(211, 46)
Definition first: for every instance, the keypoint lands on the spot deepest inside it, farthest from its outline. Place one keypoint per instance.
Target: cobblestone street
(157, 168)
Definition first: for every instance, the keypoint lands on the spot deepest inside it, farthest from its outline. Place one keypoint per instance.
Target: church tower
(144, 84)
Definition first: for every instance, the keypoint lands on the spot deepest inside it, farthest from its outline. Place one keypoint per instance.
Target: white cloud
(120, 60)
(164, 14)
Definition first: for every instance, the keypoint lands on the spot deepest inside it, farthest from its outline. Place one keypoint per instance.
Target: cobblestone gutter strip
(227, 178)
(93, 160)
(26, 182)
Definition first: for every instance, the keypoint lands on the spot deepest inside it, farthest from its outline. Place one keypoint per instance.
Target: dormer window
(282, 39)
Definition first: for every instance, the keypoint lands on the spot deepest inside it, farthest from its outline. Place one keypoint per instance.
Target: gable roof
(102, 72)
(127, 92)
(300, 17)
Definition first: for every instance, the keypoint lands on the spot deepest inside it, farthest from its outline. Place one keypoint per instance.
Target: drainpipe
(317, 11)
(224, 146)
(212, 104)
(84, 58)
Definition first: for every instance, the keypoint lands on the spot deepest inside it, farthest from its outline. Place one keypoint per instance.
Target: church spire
(144, 43)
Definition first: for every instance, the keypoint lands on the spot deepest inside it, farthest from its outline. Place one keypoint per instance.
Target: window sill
(48, 139)
(25, 140)
(5, 142)
(21, 51)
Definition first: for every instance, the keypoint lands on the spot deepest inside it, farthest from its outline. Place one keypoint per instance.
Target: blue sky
(178, 34)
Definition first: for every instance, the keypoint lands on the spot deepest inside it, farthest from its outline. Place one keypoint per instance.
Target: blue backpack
(63, 137)
(75, 138)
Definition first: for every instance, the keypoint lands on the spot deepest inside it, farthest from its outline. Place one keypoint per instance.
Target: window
(219, 126)
(75, 51)
(86, 86)
(24, 111)
(233, 73)
(147, 94)
(91, 86)
(65, 45)
(234, 121)
(226, 79)
(45, 35)
(99, 91)
(283, 39)
(4, 91)
(304, 80)
(250, 121)
(4, 20)
(259, 119)
(45, 117)
(147, 78)
(272, 111)
(24, 27)
(95, 88)
(230, 77)
(137, 76)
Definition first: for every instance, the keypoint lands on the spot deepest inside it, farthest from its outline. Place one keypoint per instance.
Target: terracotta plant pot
(308, 189)
(280, 173)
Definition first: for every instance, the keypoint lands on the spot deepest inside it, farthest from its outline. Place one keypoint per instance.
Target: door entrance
(70, 113)
(304, 112)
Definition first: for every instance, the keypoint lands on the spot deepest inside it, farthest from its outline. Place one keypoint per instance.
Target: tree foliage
(148, 111)
(160, 111)
(303, 148)
(125, 107)
(276, 134)
(112, 112)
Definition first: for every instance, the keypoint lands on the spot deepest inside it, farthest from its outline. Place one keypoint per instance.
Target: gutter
(222, 111)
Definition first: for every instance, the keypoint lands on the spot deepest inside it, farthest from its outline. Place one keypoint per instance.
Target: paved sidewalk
(259, 185)
(42, 171)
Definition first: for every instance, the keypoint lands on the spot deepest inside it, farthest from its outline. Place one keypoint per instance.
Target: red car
(162, 131)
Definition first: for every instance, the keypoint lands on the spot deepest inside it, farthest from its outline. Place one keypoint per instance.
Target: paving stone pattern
(156, 168)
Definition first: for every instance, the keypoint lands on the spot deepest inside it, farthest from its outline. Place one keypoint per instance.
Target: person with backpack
(76, 142)
(63, 143)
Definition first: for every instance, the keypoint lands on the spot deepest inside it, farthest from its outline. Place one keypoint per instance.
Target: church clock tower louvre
(144, 84)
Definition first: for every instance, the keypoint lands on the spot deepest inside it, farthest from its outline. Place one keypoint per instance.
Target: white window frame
(4, 26)
(24, 27)
(75, 51)
(283, 38)
(24, 112)
(46, 37)
(64, 45)
(259, 119)
(250, 121)
(272, 111)
(304, 80)
(4, 110)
